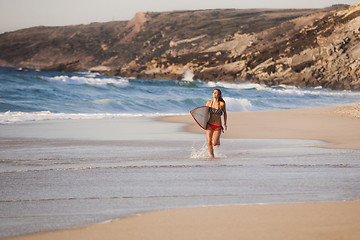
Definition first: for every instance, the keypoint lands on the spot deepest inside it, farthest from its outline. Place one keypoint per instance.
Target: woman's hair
(220, 95)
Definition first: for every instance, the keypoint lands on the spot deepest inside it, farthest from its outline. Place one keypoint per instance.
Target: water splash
(202, 152)
(188, 76)
(199, 152)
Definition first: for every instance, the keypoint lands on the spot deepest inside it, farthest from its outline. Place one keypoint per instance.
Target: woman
(214, 127)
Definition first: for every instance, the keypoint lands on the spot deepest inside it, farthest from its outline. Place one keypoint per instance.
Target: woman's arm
(225, 116)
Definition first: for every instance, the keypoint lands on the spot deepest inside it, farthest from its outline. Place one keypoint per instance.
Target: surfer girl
(214, 127)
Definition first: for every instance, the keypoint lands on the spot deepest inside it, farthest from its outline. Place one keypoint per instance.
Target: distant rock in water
(74, 66)
(301, 47)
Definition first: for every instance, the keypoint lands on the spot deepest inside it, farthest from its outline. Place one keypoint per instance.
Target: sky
(18, 14)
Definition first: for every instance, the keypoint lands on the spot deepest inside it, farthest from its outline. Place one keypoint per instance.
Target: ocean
(83, 148)
(35, 96)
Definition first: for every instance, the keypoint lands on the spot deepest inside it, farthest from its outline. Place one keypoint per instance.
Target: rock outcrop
(305, 47)
(73, 66)
(321, 49)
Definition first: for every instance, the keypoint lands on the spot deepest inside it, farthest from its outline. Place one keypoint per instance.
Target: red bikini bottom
(214, 127)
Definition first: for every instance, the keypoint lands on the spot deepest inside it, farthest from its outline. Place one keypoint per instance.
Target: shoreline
(310, 221)
(337, 125)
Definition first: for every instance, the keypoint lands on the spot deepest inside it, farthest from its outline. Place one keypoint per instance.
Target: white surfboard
(201, 116)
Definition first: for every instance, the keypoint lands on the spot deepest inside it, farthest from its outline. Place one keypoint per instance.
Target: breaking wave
(92, 80)
(36, 96)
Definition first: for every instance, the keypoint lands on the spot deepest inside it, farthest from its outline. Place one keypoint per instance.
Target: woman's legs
(216, 137)
(213, 139)
(209, 136)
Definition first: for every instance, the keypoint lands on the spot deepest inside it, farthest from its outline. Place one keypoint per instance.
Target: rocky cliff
(325, 53)
(302, 47)
(321, 49)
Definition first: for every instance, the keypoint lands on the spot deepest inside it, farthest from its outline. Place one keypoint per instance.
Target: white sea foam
(89, 79)
(188, 76)
(238, 104)
(90, 74)
(14, 117)
(237, 85)
(317, 91)
(283, 89)
(291, 90)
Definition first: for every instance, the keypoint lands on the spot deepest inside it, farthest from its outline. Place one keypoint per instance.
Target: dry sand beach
(339, 126)
(302, 221)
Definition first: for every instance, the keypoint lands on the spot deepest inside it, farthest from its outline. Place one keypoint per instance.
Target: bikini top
(214, 110)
